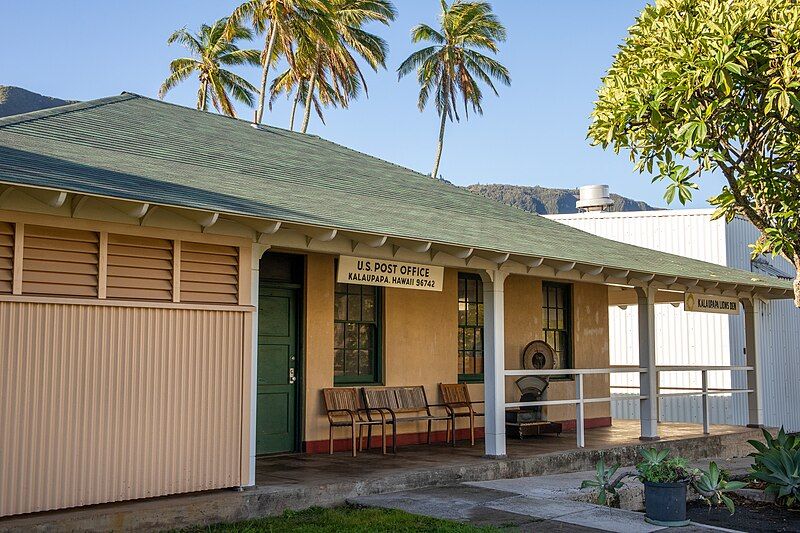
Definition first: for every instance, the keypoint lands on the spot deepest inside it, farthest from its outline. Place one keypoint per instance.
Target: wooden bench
(404, 404)
(455, 397)
(344, 409)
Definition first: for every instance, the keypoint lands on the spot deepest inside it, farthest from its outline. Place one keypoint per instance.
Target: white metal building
(705, 339)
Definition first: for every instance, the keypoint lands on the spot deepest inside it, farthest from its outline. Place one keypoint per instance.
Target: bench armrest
(342, 411)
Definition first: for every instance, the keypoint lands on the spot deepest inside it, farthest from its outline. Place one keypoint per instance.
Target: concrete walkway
(543, 503)
(300, 481)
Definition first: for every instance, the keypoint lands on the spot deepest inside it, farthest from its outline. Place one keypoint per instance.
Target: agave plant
(657, 467)
(782, 441)
(603, 482)
(779, 468)
(712, 485)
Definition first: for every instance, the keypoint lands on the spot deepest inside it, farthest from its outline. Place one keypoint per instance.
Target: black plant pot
(665, 503)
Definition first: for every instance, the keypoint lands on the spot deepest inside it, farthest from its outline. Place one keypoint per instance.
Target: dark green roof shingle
(141, 149)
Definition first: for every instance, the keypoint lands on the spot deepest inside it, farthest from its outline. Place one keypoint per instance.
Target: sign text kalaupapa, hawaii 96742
(385, 273)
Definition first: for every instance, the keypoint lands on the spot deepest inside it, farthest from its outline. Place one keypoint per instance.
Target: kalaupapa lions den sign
(705, 303)
(365, 271)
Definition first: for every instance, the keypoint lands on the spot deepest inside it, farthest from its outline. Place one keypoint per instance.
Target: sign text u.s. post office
(384, 273)
(704, 303)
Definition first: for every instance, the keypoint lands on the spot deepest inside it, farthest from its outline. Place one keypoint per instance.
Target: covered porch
(441, 463)
(298, 481)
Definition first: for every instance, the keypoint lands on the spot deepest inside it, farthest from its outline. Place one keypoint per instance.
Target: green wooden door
(277, 370)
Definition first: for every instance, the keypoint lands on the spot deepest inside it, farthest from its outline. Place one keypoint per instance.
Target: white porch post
(494, 362)
(648, 408)
(258, 251)
(752, 331)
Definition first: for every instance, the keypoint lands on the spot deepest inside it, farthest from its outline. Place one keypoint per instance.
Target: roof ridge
(223, 116)
(63, 109)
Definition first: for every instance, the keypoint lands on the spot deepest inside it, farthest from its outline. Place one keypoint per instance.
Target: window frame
(477, 377)
(376, 378)
(569, 323)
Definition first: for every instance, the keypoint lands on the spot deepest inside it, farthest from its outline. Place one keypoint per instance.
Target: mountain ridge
(547, 200)
(16, 100)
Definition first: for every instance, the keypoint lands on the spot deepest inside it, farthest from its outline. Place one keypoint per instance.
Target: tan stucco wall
(523, 314)
(421, 335)
(590, 350)
(419, 340)
(318, 342)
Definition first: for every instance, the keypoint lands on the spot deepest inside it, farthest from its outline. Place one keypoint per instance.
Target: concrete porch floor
(300, 481)
(314, 469)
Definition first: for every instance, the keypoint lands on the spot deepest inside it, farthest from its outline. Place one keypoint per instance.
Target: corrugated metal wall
(104, 403)
(694, 338)
(780, 336)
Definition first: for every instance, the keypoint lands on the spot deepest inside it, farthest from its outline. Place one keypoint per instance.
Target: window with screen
(557, 321)
(357, 331)
(470, 328)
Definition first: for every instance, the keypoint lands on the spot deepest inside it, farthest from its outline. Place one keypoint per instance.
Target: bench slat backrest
(398, 399)
(455, 394)
(341, 398)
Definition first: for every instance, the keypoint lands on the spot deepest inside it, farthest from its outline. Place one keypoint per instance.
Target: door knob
(292, 377)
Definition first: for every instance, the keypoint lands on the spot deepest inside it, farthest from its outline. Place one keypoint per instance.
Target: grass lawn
(345, 519)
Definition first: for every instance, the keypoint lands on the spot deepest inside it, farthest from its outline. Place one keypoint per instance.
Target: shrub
(779, 468)
(606, 486)
(658, 467)
(782, 441)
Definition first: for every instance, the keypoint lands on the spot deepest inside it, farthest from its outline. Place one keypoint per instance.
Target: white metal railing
(579, 401)
(704, 391)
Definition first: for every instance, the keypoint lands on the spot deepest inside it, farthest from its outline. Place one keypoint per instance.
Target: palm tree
(334, 57)
(210, 52)
(450, 65)
(280, 21)
(296, 81)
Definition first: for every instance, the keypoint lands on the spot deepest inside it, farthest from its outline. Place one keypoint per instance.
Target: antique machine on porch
(528, 421)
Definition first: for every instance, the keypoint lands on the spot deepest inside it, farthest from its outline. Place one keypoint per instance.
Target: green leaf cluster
(713, 86)
(777, 463)
(712, 486)
(658, 467)
(604, 482)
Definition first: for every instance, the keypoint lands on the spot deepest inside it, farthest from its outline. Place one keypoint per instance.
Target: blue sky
(533, 134)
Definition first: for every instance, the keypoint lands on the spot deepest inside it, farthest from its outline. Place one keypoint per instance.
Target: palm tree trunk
(269, 46)
(310, 96)
(294, 109)
(202, 95)
(439, 146)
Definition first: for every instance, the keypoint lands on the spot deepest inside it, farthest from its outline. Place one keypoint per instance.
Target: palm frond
(177, 75)
(415, 60)
(423, 32)
(240, 57)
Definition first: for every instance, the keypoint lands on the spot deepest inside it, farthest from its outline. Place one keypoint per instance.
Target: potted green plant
(666, 480)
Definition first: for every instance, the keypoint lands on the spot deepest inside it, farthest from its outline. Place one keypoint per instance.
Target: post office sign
(385, 273)
(705, 303)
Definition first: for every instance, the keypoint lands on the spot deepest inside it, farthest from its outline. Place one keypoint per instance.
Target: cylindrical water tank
(594, 198)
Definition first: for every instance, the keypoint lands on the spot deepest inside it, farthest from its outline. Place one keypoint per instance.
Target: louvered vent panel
(209, 273)
(59, 261)
(6, 257)
(139, 268)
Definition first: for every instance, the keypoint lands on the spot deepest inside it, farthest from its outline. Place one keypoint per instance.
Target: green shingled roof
(145, 150)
